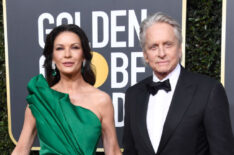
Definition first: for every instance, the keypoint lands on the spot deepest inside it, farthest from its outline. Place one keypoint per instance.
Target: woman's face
(68, 53)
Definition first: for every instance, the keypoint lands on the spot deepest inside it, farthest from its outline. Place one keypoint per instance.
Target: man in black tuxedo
(174, 111)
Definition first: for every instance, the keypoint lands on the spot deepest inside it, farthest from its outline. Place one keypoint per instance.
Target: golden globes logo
(101, 68)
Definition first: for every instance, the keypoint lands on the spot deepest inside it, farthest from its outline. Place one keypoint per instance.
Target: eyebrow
(71, 44)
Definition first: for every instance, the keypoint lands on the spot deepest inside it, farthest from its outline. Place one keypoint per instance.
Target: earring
(53, 66)
(83, 65)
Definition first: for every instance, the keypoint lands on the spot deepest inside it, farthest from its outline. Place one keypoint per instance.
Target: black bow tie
(153, 87)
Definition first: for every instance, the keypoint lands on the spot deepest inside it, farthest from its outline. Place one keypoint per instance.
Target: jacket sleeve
(217, 122)
(128, 141)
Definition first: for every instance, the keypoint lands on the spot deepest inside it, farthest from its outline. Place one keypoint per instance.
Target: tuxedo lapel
(141, 111)
(180, 102)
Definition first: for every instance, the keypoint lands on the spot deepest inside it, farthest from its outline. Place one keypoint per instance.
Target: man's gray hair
(159, 17)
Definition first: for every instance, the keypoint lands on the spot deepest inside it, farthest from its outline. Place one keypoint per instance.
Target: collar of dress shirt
(173, 76)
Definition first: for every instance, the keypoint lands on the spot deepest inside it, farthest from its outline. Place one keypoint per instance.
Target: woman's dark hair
(87, 70)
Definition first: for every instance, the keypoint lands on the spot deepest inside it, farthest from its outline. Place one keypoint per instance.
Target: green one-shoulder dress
(62, 127)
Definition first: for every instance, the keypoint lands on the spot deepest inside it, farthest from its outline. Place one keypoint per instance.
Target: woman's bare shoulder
(101, 97)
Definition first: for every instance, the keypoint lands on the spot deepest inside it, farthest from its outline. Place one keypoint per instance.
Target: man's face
(162, 50)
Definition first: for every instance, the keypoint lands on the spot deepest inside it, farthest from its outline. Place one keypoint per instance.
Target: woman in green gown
(64, 109)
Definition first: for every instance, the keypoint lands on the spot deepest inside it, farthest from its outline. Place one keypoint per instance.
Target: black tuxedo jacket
(197, 123)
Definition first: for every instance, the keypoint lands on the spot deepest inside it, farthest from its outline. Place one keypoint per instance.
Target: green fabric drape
(62, 127)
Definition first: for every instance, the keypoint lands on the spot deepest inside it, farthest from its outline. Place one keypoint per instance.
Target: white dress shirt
(158, 107)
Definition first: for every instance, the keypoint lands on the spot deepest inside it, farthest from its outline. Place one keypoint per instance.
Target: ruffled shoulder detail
(37, 81)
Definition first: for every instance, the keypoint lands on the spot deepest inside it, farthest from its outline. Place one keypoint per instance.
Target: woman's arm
(109, 137)
(27, 135)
